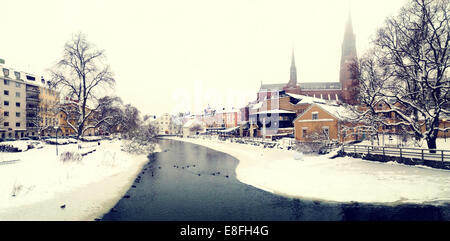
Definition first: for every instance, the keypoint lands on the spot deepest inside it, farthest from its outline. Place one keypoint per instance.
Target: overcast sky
(176, 55)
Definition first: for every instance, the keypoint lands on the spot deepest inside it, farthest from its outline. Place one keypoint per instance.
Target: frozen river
(188, 182)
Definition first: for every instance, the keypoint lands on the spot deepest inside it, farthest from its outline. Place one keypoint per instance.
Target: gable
(314, 108)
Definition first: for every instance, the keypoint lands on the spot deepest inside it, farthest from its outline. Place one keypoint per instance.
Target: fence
(411, 156)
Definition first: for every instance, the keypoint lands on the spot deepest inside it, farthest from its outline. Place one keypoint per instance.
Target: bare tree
(410, 69)
(111, 106)
(82, 75)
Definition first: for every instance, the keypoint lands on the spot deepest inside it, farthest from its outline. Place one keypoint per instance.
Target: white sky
(181, 55)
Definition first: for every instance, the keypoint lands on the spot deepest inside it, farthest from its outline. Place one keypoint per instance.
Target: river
(188, 182)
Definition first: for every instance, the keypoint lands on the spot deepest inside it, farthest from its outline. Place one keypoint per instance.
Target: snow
(21, 145)
(304, 99)
(342, 179)
(37, 183)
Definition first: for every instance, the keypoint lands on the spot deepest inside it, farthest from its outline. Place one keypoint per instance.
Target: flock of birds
(199, 174)
(150, 168)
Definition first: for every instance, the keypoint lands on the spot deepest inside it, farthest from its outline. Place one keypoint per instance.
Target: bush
(141, 140)
(70, 156)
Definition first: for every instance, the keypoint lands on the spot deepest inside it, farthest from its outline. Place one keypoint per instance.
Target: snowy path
(341, 179)
(35, 187)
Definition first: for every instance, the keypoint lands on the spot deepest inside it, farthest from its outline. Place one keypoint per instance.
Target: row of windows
(6, 103)
(6, 73)
(6, 92)
(6, 82)
(6, 124)
(6, 113)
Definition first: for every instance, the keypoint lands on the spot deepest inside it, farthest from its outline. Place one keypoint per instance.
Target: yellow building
(48, 110)
(66, 129)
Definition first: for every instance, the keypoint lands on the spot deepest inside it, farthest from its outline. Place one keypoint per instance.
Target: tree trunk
(431, 142)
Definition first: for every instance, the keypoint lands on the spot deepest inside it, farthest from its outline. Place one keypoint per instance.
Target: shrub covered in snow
(141, 140)
(70, 156)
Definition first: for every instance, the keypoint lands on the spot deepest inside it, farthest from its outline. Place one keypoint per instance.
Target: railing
(416, 153)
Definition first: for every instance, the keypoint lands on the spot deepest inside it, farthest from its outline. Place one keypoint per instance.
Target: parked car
(10, 139)
(25, 139)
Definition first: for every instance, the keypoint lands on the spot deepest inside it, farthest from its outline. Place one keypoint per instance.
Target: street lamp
(56, 130)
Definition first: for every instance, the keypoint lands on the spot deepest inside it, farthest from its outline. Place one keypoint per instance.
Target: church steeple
(349, 43)
(348, 56)
(293, 76)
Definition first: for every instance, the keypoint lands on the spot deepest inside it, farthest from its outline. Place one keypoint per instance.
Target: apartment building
(23, 103)
(12, 103)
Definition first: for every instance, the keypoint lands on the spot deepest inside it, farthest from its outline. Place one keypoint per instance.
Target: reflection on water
(194, 183)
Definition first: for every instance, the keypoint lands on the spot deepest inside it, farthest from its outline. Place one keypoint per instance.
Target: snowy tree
(409, 72)
(141, 140)
(82, 76)
(111, 106)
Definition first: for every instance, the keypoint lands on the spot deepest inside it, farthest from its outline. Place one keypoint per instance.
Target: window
(6, 92)
(6, 103)
(29, 77)
(326, 131)
(6, 82)
(17, 114)
(17, 124)
(304, 131)
(17, 74)
(6, 113)
(18, 94)
(17, 104)
(315, 115)
(5, 72)
(18, 85)
(6, 124)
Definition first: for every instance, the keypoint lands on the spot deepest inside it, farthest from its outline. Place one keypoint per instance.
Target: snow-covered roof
(304, 99)
(24, 77)
(191, 122)
(257, 105)
(338, 111)
(266, 87)
(276, 112)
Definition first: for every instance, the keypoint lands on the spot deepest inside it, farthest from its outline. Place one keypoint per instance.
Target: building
(49, 100)
(20, 103)
(324, 122)
(69, 114)
(193, 127)
(343, 91)
(165, 125)
(12, 103)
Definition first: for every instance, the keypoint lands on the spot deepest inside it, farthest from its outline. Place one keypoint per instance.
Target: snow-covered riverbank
(343, 179)
(36, 184)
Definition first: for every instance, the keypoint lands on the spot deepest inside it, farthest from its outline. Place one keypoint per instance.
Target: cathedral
(343, 91)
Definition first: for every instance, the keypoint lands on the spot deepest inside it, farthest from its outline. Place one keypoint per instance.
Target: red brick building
(343, 91)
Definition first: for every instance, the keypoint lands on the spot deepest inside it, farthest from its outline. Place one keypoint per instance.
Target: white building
(19, 103)
(193, 127)
(165, 125)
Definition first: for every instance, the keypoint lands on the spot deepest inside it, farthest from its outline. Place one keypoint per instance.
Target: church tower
(293, 77)
(292, 86)
(350, 87)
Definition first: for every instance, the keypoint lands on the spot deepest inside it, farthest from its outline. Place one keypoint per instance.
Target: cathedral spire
(348, 56)
(349, 43)
(293, 77)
